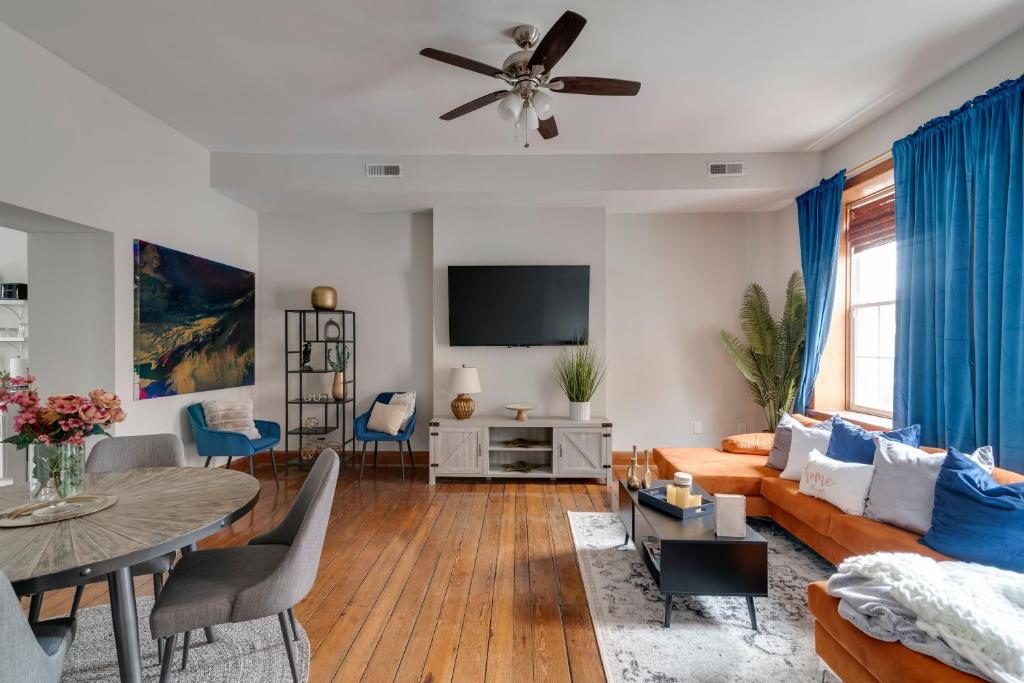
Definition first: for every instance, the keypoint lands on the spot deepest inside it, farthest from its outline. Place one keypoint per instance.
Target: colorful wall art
(195, 323)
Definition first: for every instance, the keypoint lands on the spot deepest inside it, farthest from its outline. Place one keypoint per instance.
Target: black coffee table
(693, 560)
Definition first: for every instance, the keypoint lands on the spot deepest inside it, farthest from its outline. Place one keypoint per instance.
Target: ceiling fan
(528, 74)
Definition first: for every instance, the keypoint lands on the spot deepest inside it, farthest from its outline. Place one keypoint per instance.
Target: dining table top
(158, 510)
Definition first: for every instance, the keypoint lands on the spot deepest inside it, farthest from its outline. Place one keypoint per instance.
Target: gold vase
(463, 407)
(324, 298)
(338, 388)
(632, 478)
(648, 479)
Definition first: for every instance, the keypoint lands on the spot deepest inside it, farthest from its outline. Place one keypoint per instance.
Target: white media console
(558, 448)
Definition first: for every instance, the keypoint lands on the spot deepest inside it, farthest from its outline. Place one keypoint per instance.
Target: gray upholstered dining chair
(30, 652)
(267, 577)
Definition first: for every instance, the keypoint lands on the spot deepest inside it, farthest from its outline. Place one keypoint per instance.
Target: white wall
(381, 266)
(1003, 61)
(514, 236)
(75, 150)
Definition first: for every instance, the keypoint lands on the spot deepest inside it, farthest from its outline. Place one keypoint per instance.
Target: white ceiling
(345, 76)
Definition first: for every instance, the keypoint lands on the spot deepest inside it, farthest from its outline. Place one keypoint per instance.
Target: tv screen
(518, 305)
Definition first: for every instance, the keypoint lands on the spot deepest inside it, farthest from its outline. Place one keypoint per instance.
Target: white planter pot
(579, 411)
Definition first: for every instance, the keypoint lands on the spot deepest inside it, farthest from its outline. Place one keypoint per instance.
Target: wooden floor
(463, 581)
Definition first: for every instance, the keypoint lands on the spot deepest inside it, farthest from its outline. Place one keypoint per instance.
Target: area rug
(252, 651)
(710, 638)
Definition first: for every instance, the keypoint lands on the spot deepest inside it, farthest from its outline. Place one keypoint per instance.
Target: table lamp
(463, 381)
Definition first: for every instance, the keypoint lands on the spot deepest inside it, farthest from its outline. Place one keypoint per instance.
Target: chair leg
(34, 607)
(208, 459)
(412, 460)
(291, 618)
(362, 462)
(165, 662)
(288, 646)
(251, 472)
(79, 590)
(401, 459)
(228, 466)
(273, 462)
(184, 649)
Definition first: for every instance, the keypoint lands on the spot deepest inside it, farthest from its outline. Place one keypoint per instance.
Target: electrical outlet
(698, 427)
(742, 427)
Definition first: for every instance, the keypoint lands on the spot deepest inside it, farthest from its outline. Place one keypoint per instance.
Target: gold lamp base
(463, 407)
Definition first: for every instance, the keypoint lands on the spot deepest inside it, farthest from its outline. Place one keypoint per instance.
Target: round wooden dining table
(158, 510)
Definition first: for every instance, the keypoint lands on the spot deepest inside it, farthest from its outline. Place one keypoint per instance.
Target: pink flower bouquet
(63, 419)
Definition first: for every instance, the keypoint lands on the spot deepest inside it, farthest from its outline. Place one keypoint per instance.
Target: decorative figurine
(307, 353)
(632, 478)
(648, 479)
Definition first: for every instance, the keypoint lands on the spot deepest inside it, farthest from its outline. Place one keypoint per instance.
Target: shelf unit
(306, 326)
(19, 309)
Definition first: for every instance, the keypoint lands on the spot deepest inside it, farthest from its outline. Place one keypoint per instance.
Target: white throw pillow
(844, 484)
(385, 418)
(805, 440)
(407, 399)
(231, 416)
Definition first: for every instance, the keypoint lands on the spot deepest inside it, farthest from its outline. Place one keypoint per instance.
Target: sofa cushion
(755, 443)
(851, 443)
(715, 471)
(803, 441)
(844, 484)
(778, 456)
(862, 536)
(786, 494)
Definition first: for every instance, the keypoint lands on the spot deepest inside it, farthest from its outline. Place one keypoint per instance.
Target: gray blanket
(869, 606)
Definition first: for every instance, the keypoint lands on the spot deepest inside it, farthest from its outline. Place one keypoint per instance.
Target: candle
(670, 494)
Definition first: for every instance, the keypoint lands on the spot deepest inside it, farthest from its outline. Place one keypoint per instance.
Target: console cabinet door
(581, 452)
(456, 450)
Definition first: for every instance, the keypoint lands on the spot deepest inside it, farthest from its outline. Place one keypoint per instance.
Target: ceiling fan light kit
(528, 73)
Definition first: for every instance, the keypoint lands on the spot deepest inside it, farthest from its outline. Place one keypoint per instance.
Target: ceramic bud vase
(339, 388)
(648, 479)
(56, 471)
(632, 474)
(579, 411)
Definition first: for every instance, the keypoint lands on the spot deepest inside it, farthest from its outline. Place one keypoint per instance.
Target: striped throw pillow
(231, 416)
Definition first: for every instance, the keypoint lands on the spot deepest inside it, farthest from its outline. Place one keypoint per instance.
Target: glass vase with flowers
(54, 433)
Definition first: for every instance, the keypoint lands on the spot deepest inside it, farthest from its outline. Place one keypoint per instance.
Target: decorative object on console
(632, 473)
(844, 484)
(463, 381)
(54, 434)
(195, 323)
(521, 410)
(580, 370)
(803, 441)
(770, 357)
(332, 330)
(520, 466)
(730, 515)
(647, 480)
(337, 360)
(323, 298)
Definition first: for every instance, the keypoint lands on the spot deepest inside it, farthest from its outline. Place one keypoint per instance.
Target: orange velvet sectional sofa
(852, 654)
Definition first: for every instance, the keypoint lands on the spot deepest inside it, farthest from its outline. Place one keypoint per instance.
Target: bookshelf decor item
(317, 409)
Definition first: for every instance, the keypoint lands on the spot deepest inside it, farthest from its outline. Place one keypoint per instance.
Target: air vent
(383, 170)
(726, 168)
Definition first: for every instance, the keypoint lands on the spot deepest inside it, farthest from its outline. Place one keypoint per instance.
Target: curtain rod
(869, 163)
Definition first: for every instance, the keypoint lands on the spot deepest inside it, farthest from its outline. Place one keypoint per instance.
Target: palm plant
(771, 356)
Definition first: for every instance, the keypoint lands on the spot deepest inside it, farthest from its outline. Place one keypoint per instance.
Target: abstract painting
(195, 323)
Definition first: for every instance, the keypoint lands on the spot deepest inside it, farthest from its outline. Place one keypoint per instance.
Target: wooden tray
(76, 506)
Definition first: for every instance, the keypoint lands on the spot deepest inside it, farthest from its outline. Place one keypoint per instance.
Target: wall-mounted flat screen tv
(518, 305)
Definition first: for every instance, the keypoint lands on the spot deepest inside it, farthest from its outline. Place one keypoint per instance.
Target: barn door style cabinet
(540, 448)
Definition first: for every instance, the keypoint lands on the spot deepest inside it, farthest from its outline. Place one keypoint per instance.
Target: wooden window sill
(869, 422)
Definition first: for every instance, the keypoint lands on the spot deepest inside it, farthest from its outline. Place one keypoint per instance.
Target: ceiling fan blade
(586, 85)
(474, 105)
(558, 40)
(461, 62)
(548, 129)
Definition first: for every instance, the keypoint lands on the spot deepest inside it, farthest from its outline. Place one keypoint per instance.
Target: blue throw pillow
(850, 443)
(976, 519)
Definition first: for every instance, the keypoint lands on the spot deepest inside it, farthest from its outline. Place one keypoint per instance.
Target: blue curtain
(960, 295)
(818, 215)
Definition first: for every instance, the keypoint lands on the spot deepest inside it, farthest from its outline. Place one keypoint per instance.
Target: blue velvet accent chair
(213, 443)
(362, 433)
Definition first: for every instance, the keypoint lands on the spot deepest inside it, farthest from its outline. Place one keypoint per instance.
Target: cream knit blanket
(977, 610)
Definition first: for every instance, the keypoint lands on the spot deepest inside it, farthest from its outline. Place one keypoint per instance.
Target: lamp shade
(529, 118)
(510, 107)
(542, 103)
(464, 381)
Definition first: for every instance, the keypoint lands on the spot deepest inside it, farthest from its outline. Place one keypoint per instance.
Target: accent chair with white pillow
(237, 434)
(387, 420)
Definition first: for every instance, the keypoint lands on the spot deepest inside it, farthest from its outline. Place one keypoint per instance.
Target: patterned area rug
(710, 638)
(252, 651)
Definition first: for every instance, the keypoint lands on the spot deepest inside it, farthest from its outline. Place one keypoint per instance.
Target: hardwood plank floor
(464, 581)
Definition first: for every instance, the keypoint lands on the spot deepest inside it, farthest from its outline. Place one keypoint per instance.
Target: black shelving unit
(302, 326)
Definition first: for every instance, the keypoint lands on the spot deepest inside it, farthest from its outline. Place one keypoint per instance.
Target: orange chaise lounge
(741, 467)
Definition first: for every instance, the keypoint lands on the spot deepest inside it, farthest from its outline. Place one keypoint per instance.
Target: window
(872, 309)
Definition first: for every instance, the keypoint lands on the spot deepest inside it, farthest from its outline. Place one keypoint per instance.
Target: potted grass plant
(580, 370)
